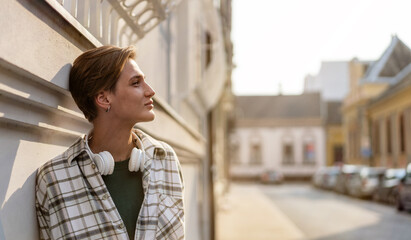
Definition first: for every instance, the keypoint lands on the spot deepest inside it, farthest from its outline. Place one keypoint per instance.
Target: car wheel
(393, 197)
(400, 206)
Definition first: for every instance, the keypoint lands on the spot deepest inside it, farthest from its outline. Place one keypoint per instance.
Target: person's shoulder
(153, 142)
(46, 172)
(167, 146)
(54, 163)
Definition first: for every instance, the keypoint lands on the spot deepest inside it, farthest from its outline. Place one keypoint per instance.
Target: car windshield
(400, 173)
(394, 173)
(370, 173)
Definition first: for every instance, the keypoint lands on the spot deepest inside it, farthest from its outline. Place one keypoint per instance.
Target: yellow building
(334, 134)
(369, 80)
(389, 117)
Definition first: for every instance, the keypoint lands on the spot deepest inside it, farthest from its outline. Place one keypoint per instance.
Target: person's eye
(136, 82)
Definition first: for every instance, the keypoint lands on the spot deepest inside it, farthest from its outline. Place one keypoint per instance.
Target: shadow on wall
(23, 149)
(14, 211)
(61, 77)
(1, 231)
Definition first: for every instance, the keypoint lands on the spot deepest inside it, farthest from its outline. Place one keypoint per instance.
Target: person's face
(131, 100)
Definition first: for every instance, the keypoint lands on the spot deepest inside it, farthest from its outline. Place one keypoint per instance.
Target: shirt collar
(151, 146)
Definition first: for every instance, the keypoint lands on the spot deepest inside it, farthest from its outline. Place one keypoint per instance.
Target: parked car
(272, 176)
(344, 177)
(325, 177)
(387, 189)
(318, 176)
(364, 182)
(404, 191)
(330, 177)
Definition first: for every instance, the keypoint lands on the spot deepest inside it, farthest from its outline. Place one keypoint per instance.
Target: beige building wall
(392, 112)
(335, 139)
(355, 127)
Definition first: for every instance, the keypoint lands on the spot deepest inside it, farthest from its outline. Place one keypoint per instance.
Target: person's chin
(153, 116)
(149, 117)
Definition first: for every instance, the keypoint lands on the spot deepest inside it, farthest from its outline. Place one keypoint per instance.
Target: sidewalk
(248, 214)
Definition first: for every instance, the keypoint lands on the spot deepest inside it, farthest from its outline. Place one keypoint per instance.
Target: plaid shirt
(72, 201)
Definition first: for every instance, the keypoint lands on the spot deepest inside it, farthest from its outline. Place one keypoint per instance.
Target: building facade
(369, 81)
(333, 133)
(390, 126)
(332, 82)
(184, 49)
(283, 133)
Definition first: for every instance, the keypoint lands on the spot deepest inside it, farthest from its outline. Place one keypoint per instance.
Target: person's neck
(113, 138)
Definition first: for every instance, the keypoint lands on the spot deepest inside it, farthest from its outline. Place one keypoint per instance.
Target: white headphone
(105, 161)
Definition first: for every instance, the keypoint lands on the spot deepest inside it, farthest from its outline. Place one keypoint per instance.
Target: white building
(184, 48)
(332, 81)
(282, 133)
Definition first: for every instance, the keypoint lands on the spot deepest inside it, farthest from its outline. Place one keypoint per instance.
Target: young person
(116, 182)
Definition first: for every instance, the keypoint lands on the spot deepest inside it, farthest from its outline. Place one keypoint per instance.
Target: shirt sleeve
(175, 228)
(42, 210)
(180, 172)
(175, 166)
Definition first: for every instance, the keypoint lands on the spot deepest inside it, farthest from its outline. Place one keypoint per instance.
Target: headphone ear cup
(136, 160)
(142, 160)
(98, 160)
(105, 162)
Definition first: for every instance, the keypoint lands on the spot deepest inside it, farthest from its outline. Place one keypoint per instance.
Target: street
(298, 211)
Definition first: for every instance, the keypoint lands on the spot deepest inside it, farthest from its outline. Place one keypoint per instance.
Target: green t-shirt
(126, 189)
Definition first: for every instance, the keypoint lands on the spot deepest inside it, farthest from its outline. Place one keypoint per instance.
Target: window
(357, 152)
(288, 153)
(255, 154)
(352, 143)
(376, 138)
(207, 49)
(308, 149)
(309, 152)
(338, 154)
(402, 134)
(234, 153)
(234, 149)
(388, 139)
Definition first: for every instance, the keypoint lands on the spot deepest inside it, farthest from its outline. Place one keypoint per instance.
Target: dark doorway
(338, 154)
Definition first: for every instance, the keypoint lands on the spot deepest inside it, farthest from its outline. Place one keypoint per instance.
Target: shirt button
(93, 166)
(121, 226)
(105, 196)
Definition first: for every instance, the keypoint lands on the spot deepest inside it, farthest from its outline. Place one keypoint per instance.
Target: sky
(278, 42)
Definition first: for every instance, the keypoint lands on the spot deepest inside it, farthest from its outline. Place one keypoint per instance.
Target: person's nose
(149, 91)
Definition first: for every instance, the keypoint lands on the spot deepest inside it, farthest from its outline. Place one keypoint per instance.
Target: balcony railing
(114, 22)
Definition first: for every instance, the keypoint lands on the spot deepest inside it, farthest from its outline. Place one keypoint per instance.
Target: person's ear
(102, 100)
